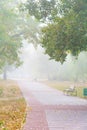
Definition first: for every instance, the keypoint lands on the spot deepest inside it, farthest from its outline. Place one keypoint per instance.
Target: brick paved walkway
(36, 117)
(43, 116)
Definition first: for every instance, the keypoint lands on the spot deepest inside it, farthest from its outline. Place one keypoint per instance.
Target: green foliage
(41, 9)
(9, 46)
(67, 31)
(14, 27)
(66, 35)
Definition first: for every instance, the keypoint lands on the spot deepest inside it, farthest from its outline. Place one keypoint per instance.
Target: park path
(51, 109)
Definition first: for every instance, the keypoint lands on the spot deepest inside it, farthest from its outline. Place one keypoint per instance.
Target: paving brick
(52, 116)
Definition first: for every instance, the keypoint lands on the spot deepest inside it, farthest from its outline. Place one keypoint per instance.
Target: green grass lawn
(63, 85)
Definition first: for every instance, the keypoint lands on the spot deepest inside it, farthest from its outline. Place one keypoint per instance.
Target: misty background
(37, 66)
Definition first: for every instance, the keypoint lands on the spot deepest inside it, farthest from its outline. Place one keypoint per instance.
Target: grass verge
(12, 106)
(63, 85)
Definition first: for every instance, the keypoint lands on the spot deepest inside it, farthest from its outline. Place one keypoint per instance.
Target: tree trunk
(5, 73)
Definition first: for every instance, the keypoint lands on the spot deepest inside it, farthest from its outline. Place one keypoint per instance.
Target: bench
(71, 91)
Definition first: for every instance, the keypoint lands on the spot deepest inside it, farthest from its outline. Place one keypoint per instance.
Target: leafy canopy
(66, 28)
(9, 46)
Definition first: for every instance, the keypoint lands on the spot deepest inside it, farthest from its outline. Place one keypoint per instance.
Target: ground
(12, 106)
(51, 109)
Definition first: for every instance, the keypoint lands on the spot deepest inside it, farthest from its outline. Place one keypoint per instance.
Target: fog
(37, 66)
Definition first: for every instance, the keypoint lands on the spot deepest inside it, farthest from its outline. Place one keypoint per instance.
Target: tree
(41, 9)
(14, 27)
(66, 32)
(9, 46)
